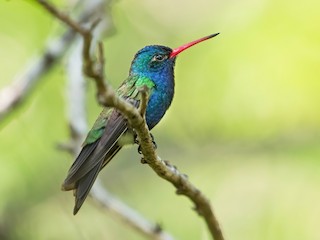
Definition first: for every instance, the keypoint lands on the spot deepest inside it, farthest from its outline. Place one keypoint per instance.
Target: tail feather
(84, 186)
(93, 157)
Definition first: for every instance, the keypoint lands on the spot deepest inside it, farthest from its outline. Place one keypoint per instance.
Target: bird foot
(143, 160)
(153, 143)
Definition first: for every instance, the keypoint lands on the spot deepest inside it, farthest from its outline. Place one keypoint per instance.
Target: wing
(94, 153)
(108, 127)
(94, 156)
(100, 146)
(102, 154)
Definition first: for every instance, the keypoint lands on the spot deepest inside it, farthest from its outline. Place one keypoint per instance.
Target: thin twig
(90, 67)
(162, 168)
(101, 60)
(63, 17)
(144, 93)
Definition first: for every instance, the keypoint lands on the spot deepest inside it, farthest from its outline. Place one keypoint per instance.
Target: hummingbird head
(152, 60)
(159, 60)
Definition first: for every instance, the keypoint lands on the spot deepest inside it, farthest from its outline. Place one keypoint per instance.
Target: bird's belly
(126, 139)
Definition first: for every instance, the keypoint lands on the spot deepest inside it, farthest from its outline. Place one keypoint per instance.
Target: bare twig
(144, 100)
(101, 60)
(63, 17)
(165, 170)
(169, 172)
(90, 67)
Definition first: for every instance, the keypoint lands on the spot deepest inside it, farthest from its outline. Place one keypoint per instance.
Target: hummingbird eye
(159, 58)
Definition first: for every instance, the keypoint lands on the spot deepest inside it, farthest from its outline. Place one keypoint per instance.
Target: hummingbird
(153, 68)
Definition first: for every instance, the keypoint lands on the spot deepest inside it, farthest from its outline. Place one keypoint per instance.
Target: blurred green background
(244, 124)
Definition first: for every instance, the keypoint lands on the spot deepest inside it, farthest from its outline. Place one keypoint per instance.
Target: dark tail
(83, 188)
(84, 185)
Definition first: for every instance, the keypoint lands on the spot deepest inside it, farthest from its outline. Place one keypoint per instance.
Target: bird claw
(143, 160)
(153, 143)
(139, 149)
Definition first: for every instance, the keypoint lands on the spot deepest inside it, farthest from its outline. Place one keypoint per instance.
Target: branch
(63, 17)
(164, 169)
(144, 100)
(90, 66)
(170, 173)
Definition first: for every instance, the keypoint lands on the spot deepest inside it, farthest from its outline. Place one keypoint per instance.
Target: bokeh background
(244, 124)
